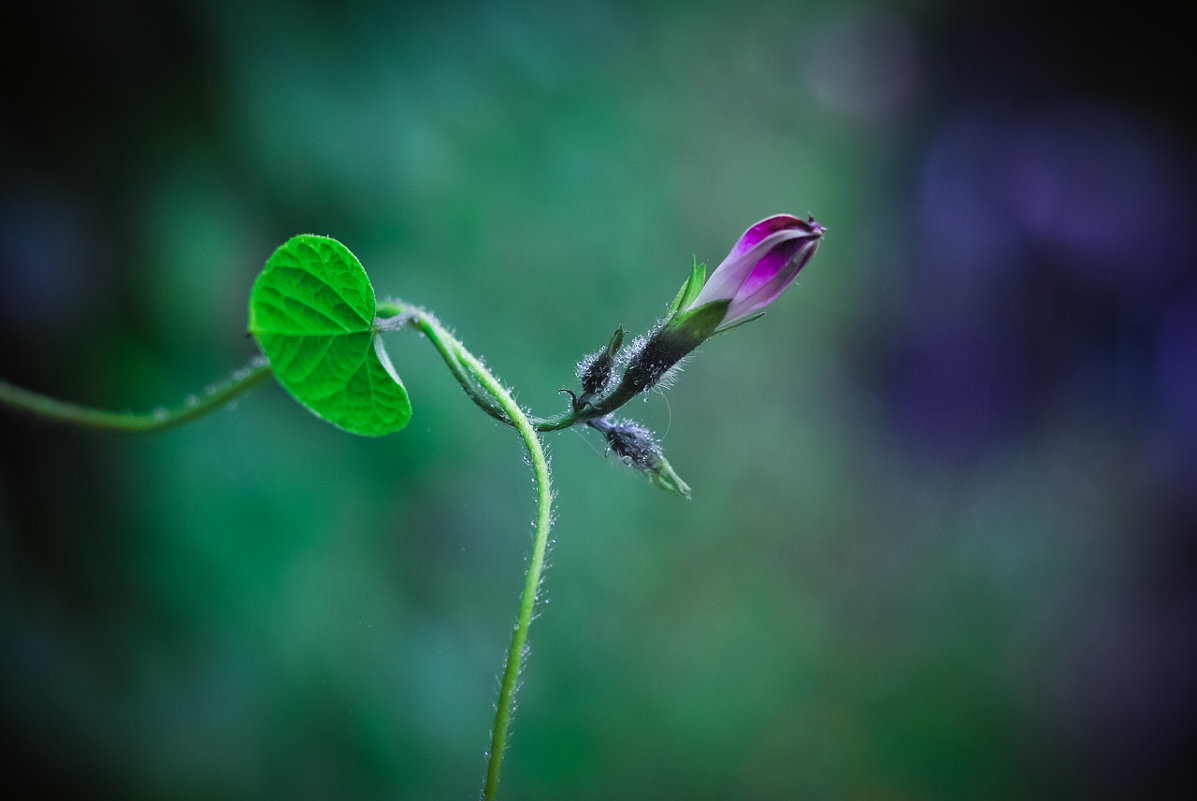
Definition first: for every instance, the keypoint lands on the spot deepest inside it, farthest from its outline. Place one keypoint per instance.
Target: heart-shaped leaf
(312, 311)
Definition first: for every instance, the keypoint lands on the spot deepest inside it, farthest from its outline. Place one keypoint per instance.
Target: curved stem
(590, 411)
(519, 638)
(394, 315)
(469, 370)
(161, 419)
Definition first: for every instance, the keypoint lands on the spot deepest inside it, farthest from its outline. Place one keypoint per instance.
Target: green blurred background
(942, 541)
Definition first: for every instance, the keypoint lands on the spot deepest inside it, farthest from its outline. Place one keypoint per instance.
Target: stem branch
(158, 420)
(394, 314)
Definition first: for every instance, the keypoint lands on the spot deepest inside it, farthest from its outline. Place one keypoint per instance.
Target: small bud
(594, 371)
(631, 442)
(636, 447)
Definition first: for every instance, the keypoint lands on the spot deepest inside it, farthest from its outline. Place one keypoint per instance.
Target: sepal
(664, 477)
(691, 288)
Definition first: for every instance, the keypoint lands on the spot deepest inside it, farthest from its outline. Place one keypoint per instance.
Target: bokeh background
(942, 540)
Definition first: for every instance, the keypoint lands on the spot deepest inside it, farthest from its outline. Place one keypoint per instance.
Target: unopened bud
(759, 267)
(636, 447)
(762, 263)
(765, 260)
(595, 370)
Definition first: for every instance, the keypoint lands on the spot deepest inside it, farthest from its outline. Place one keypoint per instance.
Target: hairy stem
(161, 419)
(468, 370)
(394, 315)
(478, 382)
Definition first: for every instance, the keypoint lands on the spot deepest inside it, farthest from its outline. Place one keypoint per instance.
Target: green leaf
(312, 312)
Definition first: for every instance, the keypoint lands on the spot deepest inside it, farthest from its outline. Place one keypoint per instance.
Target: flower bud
(759, 268)
(594, 371)
(636, 447)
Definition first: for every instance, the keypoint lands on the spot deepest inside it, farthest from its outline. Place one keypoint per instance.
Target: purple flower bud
(759, 268)
(761, 265)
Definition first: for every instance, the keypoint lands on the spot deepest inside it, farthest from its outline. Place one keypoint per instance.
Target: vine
(313, 312)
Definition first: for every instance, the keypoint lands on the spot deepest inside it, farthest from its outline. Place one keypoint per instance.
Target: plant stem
(466, 366)
(479, 383)
(393, 315)
(519, 638)
(158, 420)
